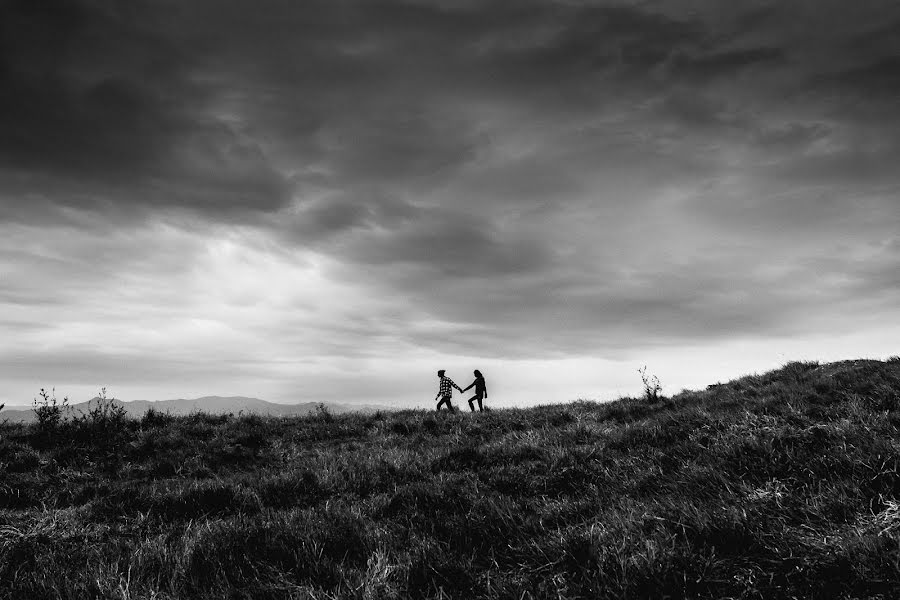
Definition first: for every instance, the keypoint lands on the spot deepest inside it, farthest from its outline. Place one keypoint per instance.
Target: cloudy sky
(331, 199)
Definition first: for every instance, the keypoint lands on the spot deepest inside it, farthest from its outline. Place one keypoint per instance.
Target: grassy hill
(784, 484)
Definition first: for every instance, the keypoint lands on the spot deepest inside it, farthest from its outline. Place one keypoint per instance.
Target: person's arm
(453, 383)
(470, 385)
(484, 385)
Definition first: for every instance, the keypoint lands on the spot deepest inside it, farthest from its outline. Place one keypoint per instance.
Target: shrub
(102, 428)
(48, 410)
(652, 388)
(156, 418)
(106, 414)
(323, 414)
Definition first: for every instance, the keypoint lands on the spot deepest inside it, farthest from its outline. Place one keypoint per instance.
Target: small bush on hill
(106, 414)
(155, 418)
(49, 411)
(322, 413)
(652, 387)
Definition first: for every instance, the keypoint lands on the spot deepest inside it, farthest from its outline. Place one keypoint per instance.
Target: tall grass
(784, 484)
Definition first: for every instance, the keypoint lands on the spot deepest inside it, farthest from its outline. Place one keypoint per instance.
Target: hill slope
(775, 485)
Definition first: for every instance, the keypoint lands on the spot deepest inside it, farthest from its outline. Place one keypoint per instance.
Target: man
(445, 391)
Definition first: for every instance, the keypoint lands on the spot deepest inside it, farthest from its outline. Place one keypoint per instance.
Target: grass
(784, 484)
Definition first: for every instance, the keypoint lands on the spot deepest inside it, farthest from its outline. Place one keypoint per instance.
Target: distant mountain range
(209, 404)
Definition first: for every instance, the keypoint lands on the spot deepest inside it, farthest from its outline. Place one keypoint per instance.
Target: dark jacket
(480, 387)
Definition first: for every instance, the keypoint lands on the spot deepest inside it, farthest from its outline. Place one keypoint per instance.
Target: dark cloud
(95, 108)
(755, 19)
(450, 245)
(791, 136)
(726, 63)
(527, 177)
(565, 314)
(217, 108)
(392, 233)
(881, 76)
(593, 40)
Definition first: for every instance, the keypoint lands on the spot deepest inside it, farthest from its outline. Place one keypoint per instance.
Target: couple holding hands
(446, 391)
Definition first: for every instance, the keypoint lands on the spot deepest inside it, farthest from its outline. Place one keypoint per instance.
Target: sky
(329, 200)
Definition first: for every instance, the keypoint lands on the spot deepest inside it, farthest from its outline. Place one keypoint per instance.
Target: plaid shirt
(446, 384)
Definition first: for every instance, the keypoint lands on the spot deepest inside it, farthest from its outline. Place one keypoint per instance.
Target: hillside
(784, 484)
(210, 404)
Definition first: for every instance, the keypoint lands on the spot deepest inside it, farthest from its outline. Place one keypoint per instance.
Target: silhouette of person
(445, 391)
(480, 391)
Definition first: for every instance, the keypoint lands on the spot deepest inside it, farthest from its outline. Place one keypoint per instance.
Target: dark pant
(473, 399)
(443, 400)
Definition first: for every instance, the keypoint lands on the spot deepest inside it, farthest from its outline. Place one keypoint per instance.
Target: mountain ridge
(208, 404)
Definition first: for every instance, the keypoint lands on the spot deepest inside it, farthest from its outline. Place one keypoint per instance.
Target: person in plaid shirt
(445, 391)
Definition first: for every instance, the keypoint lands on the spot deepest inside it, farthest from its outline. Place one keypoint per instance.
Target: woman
(480, 391)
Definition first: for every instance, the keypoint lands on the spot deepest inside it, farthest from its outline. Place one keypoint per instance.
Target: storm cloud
(284, 193)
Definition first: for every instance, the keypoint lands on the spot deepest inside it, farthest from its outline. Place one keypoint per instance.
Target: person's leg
(471, 403)
(480, 407)
(441, 401)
